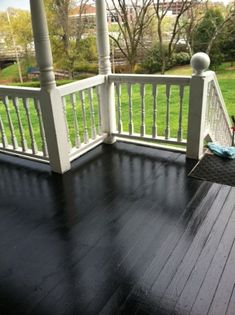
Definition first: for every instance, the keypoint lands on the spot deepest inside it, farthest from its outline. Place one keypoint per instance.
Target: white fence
(82, 111)
(217, 121)
(152, 108)
(173, 112)
(21, 124)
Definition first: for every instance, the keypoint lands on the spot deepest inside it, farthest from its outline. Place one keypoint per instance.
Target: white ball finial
(200, 62)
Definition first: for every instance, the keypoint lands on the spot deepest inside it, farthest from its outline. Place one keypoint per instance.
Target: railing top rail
(81, 85)
(143, 78)
(17, 91)
(222, 103)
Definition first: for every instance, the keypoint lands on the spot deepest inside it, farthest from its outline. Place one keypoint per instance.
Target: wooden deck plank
(96, 240)
(225, 287)
(212, 278)
(231, 306)
(189, 218)
(151, 225)
(195, 280)
(177, 270)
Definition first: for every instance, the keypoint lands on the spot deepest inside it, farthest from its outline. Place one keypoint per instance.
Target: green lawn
(226, 77)
(161, 109)
(9, 74)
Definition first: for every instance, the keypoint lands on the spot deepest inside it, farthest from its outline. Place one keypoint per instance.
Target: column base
(110, 139)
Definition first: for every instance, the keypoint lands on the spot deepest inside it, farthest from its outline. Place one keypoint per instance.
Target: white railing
(208, 118)
(171, 112)
(82, 111)
(217, 121)
(152, 108)
(21, 124)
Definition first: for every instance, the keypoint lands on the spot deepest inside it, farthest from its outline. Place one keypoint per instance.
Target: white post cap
(200, 62)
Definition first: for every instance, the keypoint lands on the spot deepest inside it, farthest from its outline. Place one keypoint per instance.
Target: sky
(24, 4)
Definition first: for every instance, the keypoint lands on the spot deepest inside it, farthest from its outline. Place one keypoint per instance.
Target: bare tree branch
(132, 26)
(161, 9)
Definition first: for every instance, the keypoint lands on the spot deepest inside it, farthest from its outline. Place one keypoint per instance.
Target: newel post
(50, 99)
(197, 105)
(106, 90)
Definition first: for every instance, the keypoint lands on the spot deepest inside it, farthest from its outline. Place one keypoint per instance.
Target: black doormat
(215, 169)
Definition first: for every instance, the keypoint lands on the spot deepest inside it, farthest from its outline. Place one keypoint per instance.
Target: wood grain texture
(117, 234)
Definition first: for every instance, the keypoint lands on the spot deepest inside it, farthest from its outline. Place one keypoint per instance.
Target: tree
(209, 33)
(67, 33)
(228, 42)
(168, 46)
(133, 20)
(220, 25)
(209, 36)
(190, 21)
(207, 29)
(16, 33)
(22, 30)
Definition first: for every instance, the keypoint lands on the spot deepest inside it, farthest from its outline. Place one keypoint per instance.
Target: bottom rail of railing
(158, 142)
(84, 148)
(26, 155)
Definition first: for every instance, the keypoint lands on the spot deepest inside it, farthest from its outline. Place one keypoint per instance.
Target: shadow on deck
(124, 232)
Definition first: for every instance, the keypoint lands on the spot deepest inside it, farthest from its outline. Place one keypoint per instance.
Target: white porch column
(51, 103)
(107, 91)
(197, 105)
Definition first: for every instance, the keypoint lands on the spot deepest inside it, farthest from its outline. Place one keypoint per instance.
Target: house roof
(83, 10)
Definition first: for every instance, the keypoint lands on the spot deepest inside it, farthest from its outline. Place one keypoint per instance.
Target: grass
(225, 74)
(226, 77)
(161, 109)
(9, 74)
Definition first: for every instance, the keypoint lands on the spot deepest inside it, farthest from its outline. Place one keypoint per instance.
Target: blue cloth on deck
(226, 152)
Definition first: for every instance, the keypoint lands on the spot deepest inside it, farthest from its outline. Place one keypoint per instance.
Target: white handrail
(222, 102)
(217, 120)
(143, 78)
(16, 91)
(81, 85)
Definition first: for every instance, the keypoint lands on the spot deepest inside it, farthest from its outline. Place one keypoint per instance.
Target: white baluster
(92, 113)
(220, 124)
(13, 137)
(209, 104)
(214, 120)
(154, 93)
(181, 96)
(222, 127)
(66, 122)
(142, 94)
(41, 126)
(99, 110)
(213, 100)
(131, 127)
(85, 130)
(3, 134)
(31, 133)
(168, 94)
(75, 120)
(21, 129)
(119, 107)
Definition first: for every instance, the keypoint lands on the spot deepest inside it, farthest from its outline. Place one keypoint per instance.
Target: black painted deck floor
(124, 232)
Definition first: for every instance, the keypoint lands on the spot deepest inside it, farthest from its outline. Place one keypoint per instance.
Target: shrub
(180, 59)
(153, 62)
(87, 67)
